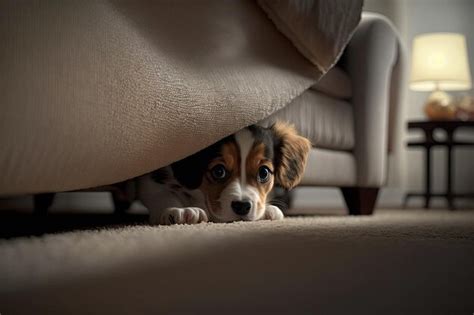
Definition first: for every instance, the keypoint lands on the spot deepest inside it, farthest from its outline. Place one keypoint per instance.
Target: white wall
(413, 17)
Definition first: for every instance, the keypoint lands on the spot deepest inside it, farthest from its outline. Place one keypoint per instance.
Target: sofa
(352, 116)
(98, 93)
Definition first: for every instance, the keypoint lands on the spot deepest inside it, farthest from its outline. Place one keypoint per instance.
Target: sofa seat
(326, 121)
(330, 168)
(335, 83)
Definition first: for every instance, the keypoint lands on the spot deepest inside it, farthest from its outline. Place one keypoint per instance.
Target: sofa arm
(370, 58)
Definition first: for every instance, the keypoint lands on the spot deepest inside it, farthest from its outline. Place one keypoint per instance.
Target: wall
(413, 17)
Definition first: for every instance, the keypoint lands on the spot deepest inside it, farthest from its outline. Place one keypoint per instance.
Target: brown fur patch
(292, 156)
(255, 159)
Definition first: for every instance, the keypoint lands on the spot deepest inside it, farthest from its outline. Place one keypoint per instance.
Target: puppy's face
(238, 181)
(236, 174)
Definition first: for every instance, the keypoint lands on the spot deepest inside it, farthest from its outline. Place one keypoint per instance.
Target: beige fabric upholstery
(327, 122)
(336, 83)
(398, 90)
(362, 125)
(96, 91)
(298, 20)
(371, 57)
(330, 168)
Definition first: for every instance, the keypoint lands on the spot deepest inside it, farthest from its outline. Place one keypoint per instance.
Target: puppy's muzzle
(241, 207)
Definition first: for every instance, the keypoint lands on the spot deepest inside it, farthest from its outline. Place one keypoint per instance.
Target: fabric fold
(101, 91)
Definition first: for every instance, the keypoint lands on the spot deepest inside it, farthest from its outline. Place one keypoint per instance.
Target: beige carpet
(398, 262)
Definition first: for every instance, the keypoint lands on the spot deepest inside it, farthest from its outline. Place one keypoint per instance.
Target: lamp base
(439, 106)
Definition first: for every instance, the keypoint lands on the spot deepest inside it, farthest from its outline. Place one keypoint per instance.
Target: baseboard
(305, 198)
(332, 198)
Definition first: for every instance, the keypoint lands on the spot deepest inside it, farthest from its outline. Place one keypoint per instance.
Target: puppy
(228, 181)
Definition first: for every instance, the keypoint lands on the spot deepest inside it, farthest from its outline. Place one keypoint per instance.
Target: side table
(428, 127)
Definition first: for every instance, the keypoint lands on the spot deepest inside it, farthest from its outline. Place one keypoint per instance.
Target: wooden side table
(428, 127)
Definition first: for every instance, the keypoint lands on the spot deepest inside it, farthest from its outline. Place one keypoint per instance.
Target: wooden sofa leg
(360, 200)
(42, 202)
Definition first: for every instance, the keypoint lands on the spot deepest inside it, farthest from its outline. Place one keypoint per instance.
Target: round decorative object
(465, 108)
(439, 106)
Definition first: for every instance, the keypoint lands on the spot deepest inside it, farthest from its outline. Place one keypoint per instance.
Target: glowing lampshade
(439, 62)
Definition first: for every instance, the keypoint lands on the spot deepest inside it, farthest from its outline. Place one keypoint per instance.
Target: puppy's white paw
(189, 215)
(273, 213)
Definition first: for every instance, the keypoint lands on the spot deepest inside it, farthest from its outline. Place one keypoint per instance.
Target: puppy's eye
(264, 174)
(219, 172)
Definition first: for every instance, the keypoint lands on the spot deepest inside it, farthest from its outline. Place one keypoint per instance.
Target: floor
(396, 262)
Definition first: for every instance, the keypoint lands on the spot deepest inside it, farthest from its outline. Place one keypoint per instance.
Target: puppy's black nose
(241, 207)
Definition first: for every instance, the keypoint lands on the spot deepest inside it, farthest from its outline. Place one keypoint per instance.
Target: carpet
(395, 262)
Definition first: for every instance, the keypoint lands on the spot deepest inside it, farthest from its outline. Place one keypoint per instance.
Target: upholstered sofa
(101, 92)
(352, 115)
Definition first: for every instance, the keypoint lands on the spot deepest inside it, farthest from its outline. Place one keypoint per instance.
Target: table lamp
(439, 64)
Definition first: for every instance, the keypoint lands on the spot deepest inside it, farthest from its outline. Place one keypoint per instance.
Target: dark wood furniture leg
(42, 202)
(427, 177)
(429, 141)
(360, 200)
(449, 169)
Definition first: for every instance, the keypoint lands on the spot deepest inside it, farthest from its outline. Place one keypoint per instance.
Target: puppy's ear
(190, 170)
(291, 154)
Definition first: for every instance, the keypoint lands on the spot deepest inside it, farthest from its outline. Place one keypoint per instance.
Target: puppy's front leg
(187, 215)
(273, 213)
(168, 210)
(165, 207)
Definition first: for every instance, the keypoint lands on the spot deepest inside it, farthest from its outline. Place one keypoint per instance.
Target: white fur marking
(245, 140)
(188, 215)
(233, 192)
(272, 213)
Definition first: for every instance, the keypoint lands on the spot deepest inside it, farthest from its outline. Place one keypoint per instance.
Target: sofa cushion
(327, 122)
(335, 83)
(319, 29)
(330, 168)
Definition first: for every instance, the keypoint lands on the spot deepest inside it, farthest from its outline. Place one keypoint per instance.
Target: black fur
(189, 171)
(265, 136)
(160, 176)
(277, 149)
